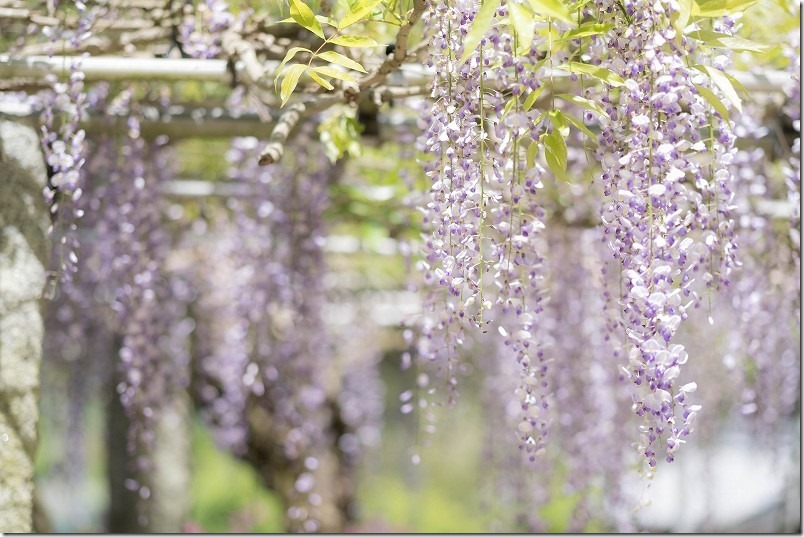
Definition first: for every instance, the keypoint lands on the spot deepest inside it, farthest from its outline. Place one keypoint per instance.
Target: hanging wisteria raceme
(222, 357)
(121, 302)
(454, 213)
(280, 232)
(484, 215)
(589, 412)
(668, 196)
(78, 340)
(132, 248)
(765, 302)
(63, 141)
(202, 26)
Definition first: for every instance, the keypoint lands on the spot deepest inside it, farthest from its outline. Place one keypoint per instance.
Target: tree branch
(276, 147)
(400, 54)
(237, 48)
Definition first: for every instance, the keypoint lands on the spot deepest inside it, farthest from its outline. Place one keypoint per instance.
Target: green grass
(226, 494)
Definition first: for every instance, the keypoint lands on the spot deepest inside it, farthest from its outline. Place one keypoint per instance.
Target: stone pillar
(171, 477)
(24, 253)
(168, 478)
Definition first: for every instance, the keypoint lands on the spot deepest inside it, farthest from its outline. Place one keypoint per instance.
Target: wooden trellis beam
(117, 68)
(216, 121)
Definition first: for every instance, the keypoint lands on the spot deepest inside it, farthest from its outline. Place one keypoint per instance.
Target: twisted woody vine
(595, 229)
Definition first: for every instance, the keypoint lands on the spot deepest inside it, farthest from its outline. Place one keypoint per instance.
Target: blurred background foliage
(447, 492)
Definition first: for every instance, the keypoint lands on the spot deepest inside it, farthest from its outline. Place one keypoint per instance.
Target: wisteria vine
(528, 100)
(63, 143)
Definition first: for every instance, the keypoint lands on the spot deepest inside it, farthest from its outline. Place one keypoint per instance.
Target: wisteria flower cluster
(484, 215)
(63, 142)
(130, 200)
(589, 414)
(582, 325)
(665, 148)
(666, 217)
(200, 31)
(121, 301)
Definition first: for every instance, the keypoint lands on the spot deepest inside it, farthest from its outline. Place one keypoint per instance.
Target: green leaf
(740, 44)
(509, 105)
(552, 8)
(583, 103)
(290, 81)
(340, 59)
(585, 30)
(532, 152)
(738, 86)
(335, 73)
(555, 152)
(540, 118)
(723, 84)
(718, 40)
(583, 128)
(326, 20)
(681, 18)
(321, 81)
(480, 26)
(361, 9)
(609, 77)
(719, 8)
(289, 56)
(522, 20)
(320, 18)
(575, 6)
(340, 134)
(305, 17)
(559, 122)
(712, 99)
(532, 97)
(354, 41)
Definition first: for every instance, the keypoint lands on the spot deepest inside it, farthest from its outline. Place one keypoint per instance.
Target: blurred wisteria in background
(555, 288)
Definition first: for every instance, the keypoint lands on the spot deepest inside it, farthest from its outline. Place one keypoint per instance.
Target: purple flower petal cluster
(278, 251)
(201, 30)
(63, 143)
(481, 256)
(121, 300)
(667, 211)
(224, 374)
(589, 411)
(131, 204)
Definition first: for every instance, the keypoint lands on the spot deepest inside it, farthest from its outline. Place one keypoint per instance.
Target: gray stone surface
(170, 480)
(23, 265)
